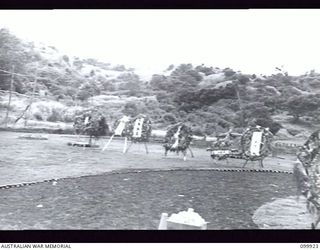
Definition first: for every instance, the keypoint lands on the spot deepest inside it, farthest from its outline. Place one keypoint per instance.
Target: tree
(14, 52)
(229, 72)
(302, 105)
(159, 82)
(255, 110)
(88, 90)
(269, 123)
(187, 74)
(206, 70)
(259, 114)
(170, 67)
(169, 117)
(243, 79)
(131, 82)
(130, 109)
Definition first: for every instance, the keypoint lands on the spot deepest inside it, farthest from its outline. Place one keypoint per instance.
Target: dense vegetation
(208, 99)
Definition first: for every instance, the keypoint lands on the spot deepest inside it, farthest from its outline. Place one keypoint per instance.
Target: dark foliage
(92, 123)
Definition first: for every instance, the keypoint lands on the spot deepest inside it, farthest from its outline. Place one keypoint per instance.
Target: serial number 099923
(308, 245)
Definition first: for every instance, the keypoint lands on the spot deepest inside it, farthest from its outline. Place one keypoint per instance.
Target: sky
(251, 41)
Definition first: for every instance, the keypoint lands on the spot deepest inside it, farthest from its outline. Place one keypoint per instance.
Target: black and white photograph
(159, 119)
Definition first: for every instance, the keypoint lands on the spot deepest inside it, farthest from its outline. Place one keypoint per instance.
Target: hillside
(209, 99)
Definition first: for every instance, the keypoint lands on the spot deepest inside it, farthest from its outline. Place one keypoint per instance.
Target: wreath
(313, 172)
(78, 124)
(185, 137)
(146, 129)
(265, 143)
(92, 123)
(309, 150)
(309, 156)
(305, 156)
(125, 119)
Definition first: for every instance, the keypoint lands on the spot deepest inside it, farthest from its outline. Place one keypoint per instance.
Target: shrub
(243, 79)
(95, 127)
(206, 70)
(54, 116)
(269, 123)
(5, 106)
(228, 72)
(198, 130)
(169, 118)
(191, 117)
(168, 107)
(68, 119)
(301, 105)
(130, 109)
(38, 117)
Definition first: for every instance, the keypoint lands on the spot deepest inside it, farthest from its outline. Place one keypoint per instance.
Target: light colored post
(191, 152)
(107, 144)
(10, 95)
(125, 145)
(163, 222)
(128, 147)
(146, 147)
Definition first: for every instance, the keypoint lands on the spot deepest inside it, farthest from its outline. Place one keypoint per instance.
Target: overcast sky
(252, 41)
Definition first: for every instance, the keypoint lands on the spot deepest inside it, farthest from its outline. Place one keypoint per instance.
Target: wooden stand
(136, 130)
(108, 143)
(125, 148)
(184, 152)
(260, 163)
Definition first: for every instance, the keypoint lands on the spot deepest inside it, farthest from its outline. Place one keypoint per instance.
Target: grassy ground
(93, 200)
(136, 200)
(31, 160)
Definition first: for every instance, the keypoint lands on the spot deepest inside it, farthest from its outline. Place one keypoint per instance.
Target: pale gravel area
(283, 213)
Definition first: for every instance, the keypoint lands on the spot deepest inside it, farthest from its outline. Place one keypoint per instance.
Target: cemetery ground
(88, 194)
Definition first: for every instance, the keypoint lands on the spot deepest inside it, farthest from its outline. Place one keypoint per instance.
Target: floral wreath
(125, 130)
(90, 122)
(309, 156)
(146, 129)
(185, 137)
(309, 150)
(265, 143)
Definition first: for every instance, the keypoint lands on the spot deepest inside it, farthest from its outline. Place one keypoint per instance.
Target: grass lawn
(136, 200)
